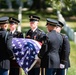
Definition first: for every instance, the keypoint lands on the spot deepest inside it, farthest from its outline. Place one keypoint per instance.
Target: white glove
(62, 66)
(14, 58)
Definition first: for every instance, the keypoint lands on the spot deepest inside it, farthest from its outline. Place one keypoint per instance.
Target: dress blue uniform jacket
(36, 35)
(50, 55)
(5, 49)
(16, 34)
(65, 51)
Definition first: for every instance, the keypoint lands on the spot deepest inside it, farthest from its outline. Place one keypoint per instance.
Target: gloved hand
(62, 66)
(13, 58)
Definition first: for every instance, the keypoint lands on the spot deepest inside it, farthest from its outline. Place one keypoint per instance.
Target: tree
(38, 5)
(59, 4)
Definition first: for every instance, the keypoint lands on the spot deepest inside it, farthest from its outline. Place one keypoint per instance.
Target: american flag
(25, 51)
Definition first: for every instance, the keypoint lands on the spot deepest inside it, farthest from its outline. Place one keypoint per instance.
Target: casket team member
(37, 34)
(14, 67)
(5, 46)
(50, 56)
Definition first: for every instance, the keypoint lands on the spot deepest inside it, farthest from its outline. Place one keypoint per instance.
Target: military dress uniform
(5, 48)
(8, 53)
(64, 56)
(17, 34)
(64, 53)
(50, 55)
(37, 35)
(14, 67)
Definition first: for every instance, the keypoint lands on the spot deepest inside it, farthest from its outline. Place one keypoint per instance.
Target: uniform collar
(13, 31)
(34, 29)
(52, 31)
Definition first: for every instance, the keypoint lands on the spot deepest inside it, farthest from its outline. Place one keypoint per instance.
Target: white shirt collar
(13, 31)
(34, 29)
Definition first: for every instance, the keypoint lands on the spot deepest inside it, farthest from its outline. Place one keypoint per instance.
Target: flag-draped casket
(25, 51)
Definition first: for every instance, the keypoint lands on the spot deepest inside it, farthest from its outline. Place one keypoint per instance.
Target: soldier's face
(33, 24)
(13, 27)
(58, 29)
(49, 27)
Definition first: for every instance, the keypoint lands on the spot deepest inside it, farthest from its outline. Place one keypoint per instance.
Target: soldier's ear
(42, 42)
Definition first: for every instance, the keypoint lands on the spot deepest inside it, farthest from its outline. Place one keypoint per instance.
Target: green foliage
(3, 4)
(56, 4)
(23, 0)
(72, 10)
(59, 4)
(69, 3)
(72, 69)
(13, 14)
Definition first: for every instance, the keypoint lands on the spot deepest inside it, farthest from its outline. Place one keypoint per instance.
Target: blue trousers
(49, 71)
(14, 71)
(34, 71)
(59, 71)
(3, 72)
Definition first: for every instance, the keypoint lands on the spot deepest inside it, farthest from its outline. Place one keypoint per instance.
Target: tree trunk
(9, 4)
(38, 5)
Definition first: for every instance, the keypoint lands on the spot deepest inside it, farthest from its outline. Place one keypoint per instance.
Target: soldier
(13, 25)
(37, 34)
(64, 53)
(14, 69)
(49, 55)
(5, 46)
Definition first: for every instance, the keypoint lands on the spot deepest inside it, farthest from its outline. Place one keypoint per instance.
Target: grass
(72, 25)
(72, 69)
